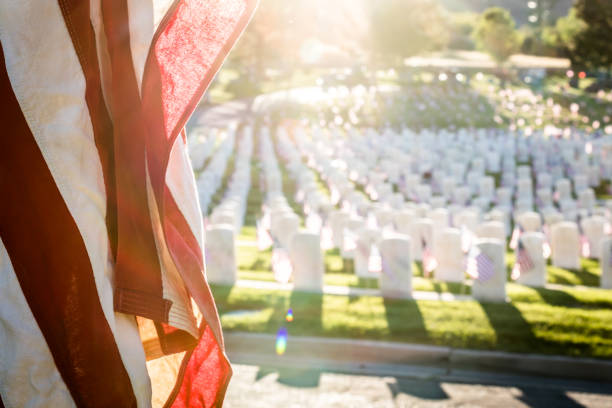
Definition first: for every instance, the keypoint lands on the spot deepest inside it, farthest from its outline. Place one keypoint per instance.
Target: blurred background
(386, 113)
(557, 48)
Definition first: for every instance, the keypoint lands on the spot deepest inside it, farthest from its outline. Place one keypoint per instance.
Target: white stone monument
(492, 289)
(396, 275)
(307, 261)
(449, 254)
(606, 262)
(533, 244)
(565, 245)
(219, 254)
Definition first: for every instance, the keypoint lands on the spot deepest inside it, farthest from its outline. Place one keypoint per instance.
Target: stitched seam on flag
(172, 285)
(137, 259)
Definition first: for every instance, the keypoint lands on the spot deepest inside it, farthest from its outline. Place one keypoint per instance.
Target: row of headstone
(227, 218)
(211, 178)
(302, 247)
(422, 222)
(202, 142)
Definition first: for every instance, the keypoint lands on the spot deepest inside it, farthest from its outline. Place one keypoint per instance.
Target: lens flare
(281, 341)
(289, 316)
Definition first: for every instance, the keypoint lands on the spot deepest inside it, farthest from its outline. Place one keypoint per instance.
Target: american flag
(516, 234)
(585, 246)
(264, 239)
(103, 228)
(375, 262)
(467, 237)
(523, 263)
(429, 261)
(480, 266)
(281, 265)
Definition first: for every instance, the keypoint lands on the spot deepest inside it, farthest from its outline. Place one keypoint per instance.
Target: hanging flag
(585, 246)
(546, 250)
(98, 97)
(516, 234)
(349, 241)
(480, 266)
(327, 241)
(429, 261)
(313, 222)
(375, 264)
(281, 265)
(467, 238)
(523, 263)
(264, 239)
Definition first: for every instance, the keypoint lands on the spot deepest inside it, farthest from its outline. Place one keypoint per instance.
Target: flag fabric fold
(107, 194)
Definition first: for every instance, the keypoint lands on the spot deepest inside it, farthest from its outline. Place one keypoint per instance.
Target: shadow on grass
(587, 275)
(557, 297)
(513, 332)
(405, 320)
(259, 265)
(428, 390)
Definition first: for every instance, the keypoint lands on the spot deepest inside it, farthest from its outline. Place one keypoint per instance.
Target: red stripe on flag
(138, 284)
(53, 268)
(201, 383)
(187, 50)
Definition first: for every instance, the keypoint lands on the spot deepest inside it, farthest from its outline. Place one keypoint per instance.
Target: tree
(400, 28)
(495, 34)
(564, 35)
(593, 44)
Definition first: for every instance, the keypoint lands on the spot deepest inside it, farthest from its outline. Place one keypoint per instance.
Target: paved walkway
(256, 386)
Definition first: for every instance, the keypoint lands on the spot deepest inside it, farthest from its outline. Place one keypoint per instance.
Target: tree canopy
(495, 34)
(593, 44)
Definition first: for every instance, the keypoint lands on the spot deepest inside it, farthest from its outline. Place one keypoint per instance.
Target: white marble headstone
(494, 288)
(220, 254)
(307, 261)
(396, 275)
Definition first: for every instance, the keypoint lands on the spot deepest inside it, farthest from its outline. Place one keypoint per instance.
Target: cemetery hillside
(417, 174)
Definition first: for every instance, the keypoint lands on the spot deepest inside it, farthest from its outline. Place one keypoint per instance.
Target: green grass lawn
(573, 322)
(566, 321)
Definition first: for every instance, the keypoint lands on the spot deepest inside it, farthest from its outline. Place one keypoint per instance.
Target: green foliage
(593, 43)
(495, 34)
(565, 33)
(400, 29)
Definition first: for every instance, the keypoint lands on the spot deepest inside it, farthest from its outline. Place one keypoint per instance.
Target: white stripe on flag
(48, 82)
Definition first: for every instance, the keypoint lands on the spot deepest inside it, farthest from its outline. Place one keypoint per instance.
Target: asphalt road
(255, 387)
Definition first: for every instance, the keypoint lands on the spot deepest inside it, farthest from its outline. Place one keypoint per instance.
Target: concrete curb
(398, 356)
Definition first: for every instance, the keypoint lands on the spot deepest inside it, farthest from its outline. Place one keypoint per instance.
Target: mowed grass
(562, 321)
(574, 322)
